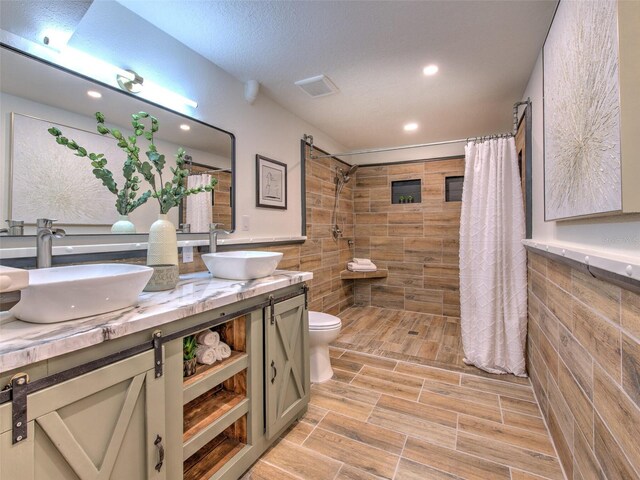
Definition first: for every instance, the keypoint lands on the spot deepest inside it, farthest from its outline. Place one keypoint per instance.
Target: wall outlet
(187, 254)
(245, 223)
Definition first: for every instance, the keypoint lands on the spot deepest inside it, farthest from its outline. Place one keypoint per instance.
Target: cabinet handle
(160, 447)
(275, 371)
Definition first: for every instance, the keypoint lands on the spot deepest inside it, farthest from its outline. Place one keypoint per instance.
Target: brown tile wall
(583, 357)
(418, 243)
(321, 254)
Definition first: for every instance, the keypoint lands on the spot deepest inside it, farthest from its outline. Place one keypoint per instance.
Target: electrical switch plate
(245, 223)
(187, 254)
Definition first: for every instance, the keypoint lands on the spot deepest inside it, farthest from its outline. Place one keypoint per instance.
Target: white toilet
(323, 329)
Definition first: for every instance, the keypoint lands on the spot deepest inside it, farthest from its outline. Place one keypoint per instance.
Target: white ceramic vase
(163, 243)
(123, 225)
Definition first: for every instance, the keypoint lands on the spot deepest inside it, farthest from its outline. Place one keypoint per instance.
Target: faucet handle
(45, 222)
(15, 223)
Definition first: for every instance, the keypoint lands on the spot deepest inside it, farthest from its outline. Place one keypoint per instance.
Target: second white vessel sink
(242, 265)
(66, 293)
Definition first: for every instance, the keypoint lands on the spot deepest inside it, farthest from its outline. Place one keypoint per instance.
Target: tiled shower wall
(584, 362)
(321, 254)
(418, 243)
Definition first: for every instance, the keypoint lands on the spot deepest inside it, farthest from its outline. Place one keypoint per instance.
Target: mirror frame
(155, 105)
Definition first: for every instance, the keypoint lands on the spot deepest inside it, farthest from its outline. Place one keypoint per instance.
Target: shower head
(346, 176)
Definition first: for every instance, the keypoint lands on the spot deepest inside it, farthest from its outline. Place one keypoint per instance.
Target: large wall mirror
(41, 179)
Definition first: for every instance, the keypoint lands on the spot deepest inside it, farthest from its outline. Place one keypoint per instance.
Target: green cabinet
(287, 386)
(106, 424)
(120, 421)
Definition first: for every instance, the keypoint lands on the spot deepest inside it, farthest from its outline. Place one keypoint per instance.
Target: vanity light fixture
(86, 64)
(185, 127)
(430, 70)
(410, 127)
(130, 81)
(94, 94)
(134, 83)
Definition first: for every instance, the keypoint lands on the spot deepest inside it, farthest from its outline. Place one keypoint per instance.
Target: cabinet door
(101, 425)
(286, 363)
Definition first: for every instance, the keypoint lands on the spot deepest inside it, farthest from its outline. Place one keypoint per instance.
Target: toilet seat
(323, 321)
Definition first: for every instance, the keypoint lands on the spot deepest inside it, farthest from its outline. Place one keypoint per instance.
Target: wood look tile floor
(402, 335)
(398, 418)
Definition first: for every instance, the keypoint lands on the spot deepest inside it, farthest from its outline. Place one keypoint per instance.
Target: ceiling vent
(319, 86)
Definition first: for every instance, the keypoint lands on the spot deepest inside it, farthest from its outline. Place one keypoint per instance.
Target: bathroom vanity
(105, 397)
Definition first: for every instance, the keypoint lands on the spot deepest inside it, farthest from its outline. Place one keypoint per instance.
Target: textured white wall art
(582, 111)
(49, 181)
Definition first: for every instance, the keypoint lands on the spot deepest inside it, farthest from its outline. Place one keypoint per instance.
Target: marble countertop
(23, 343)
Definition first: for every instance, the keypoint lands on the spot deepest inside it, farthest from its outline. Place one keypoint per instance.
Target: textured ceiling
(374, 52)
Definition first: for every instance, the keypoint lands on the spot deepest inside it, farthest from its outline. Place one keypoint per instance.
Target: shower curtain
(199, 209)
(493, 269)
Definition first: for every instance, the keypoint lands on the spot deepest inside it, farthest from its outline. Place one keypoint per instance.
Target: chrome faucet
(213, 236)
(16, 228)
(184, 228)
(44, 241)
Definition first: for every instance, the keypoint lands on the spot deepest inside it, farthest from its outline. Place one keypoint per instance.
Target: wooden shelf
(349, 275)
(207, 409)
(209, 459)
(208, 376)
(232, 421)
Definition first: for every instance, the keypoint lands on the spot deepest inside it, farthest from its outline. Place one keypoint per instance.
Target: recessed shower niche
(406, 191)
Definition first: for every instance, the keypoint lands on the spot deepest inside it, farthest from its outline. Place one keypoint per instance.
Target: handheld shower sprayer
(342, 178)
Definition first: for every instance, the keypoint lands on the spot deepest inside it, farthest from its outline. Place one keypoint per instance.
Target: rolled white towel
(208, 338)
(354, 267)
(222, 351)
(206, 355)
(362, 261)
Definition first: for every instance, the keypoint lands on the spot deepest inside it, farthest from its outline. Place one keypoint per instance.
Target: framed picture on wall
(582, 147)
(271, 183)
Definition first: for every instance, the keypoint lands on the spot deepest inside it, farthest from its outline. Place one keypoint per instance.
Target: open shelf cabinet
(215, 406)
(209, 459)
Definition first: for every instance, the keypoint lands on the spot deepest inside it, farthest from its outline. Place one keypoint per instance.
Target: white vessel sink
(66, 293)
(242, 265)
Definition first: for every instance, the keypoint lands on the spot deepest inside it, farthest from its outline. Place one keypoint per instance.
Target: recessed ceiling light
(94, 94)
(185, 127)
(410, 127)
(430, 70)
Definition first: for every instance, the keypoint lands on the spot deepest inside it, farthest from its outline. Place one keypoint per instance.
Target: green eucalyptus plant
(168, 194)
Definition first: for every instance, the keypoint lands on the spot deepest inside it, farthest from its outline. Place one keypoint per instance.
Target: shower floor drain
(412, 332)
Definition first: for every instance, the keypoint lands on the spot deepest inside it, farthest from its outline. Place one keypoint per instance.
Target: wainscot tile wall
(584, 361)
(417, 242)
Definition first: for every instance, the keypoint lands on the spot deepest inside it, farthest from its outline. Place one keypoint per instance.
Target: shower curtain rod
(309, 140)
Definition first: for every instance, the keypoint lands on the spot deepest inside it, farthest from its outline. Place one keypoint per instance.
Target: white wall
(423, 153)
(618, 234)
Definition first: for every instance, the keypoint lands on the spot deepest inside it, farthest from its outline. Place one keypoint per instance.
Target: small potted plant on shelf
(410, 199)
(189, 347)
(401, 199)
